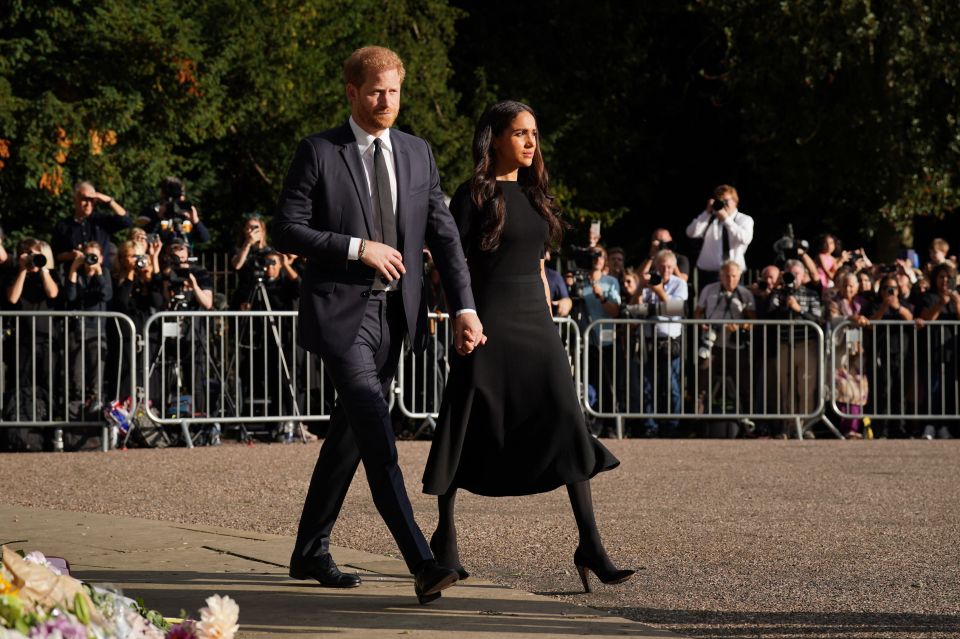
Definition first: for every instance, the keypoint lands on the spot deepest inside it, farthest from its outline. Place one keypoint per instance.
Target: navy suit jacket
(325, 201)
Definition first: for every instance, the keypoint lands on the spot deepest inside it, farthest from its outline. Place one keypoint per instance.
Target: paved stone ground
(733, 538)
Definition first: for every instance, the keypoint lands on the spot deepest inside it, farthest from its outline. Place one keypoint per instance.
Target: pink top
(827, 262)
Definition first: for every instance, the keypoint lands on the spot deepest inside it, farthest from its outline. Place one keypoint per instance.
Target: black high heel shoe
(439, 553)
(585, 563)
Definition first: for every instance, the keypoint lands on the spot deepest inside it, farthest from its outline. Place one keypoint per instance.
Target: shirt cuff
(466, 310)
(353, 252)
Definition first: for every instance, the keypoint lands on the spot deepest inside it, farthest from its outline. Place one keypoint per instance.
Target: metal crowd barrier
(62, 369)
(664, 371)
(230, 367)
(421, 377)
(896, 370)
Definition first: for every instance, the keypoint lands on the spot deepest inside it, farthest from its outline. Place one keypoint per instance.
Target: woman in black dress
(510, 422)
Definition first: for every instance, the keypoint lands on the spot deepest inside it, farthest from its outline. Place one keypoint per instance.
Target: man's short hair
(729, 264)
(616, 249)
(92, 244)
(27, 245)
(940, 244)
(666, 255)
(789, 265)
(726, 189)
(83, 185)
(366, 59)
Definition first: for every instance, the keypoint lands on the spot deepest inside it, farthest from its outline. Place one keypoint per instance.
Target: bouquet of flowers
(37, 601)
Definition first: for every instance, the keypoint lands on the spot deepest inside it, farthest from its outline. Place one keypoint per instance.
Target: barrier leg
(619, 426)
(58, 440)
(798, 423)
(104, 438)
(185, 428)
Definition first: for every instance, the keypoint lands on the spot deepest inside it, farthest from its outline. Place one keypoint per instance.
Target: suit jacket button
(365, 294)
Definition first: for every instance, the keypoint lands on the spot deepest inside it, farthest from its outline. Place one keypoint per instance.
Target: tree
(124, 93)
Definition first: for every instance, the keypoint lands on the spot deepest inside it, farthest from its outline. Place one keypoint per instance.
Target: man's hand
(386, 260)
(468, 333)
(793, 304)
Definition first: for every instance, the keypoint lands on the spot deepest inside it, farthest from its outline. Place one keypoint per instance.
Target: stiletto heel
(594, 565)
(440, 555)
(582, 571)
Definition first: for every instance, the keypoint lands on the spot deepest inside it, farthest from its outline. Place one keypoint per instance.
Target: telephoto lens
(91, 258)
(38, 260)
(141, 261)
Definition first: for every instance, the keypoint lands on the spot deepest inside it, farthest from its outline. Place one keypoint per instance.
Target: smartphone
(595, 228)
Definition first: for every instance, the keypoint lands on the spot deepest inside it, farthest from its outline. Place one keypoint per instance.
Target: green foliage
(123, 93)
(852, 102)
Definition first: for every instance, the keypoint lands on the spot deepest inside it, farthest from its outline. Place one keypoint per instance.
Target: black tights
(581, 501)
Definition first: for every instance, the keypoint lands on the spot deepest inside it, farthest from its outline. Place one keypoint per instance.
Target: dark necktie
(382, 200)
(724, 242)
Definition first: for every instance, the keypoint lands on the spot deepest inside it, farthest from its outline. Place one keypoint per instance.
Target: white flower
(38, 558)
(11, 634)
(219, 619)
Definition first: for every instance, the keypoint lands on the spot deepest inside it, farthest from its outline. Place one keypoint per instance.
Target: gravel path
(733, 538)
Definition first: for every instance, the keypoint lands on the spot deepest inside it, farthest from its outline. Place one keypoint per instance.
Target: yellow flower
(7, 587)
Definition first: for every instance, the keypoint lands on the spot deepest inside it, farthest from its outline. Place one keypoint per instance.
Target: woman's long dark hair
(486, 193)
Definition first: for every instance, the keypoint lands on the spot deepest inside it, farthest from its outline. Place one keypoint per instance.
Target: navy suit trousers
(361, 429)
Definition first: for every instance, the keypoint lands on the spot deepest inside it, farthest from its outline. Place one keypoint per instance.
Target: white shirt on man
(676, 289)
(367, 149)
(739, 229)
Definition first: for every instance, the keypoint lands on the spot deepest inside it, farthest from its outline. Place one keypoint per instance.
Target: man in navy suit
(359, 202)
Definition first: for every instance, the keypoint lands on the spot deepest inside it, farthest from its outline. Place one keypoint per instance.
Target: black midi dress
(510, 422)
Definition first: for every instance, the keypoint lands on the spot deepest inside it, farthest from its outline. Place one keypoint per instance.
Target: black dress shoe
(430, 579)
(586, 564)
(324, 570)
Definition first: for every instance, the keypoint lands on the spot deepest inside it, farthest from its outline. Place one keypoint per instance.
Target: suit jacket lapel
(402, 167)
(351, 156)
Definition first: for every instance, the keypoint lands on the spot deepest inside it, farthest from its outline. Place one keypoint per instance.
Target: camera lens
(891, 290)
(91, 258)
(38, 260)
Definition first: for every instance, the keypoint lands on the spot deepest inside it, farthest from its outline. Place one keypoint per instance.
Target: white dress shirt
(739, 228)
(366, 148)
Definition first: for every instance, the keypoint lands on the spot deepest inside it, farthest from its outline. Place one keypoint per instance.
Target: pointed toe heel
(585, 564)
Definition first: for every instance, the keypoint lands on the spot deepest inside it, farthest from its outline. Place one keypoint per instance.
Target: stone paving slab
(175, 567)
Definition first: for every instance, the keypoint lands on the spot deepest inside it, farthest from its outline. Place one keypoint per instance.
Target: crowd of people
(824, 285)
(102, 259)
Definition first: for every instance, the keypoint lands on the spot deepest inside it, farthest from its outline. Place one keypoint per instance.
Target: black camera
(655, 279)
(179, 272)
(789, 280)
(762, 285)
(91, 258)
(141, 261)
(788, 247)
(152, 238)
(38, 260)
(891, 290)
(178, 206)
(260, 261)
(583, 256)
(718, 204)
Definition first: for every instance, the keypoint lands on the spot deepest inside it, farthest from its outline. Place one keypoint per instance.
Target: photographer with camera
(30, 284)
(69, 236)
(726, 233)
(174, 215)
(661, 240)
(560, 302)
(88, 287)
(598, 295)
(248, 256)
(798, 354)
(137, 294)
(939, 348)
(724, 350)
(186, 286)
(663, 344)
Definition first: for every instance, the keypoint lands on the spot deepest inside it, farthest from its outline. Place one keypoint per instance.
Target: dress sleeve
(464, 214)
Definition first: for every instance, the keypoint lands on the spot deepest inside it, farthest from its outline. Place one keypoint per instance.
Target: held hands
(468, 333)
(385, 259)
